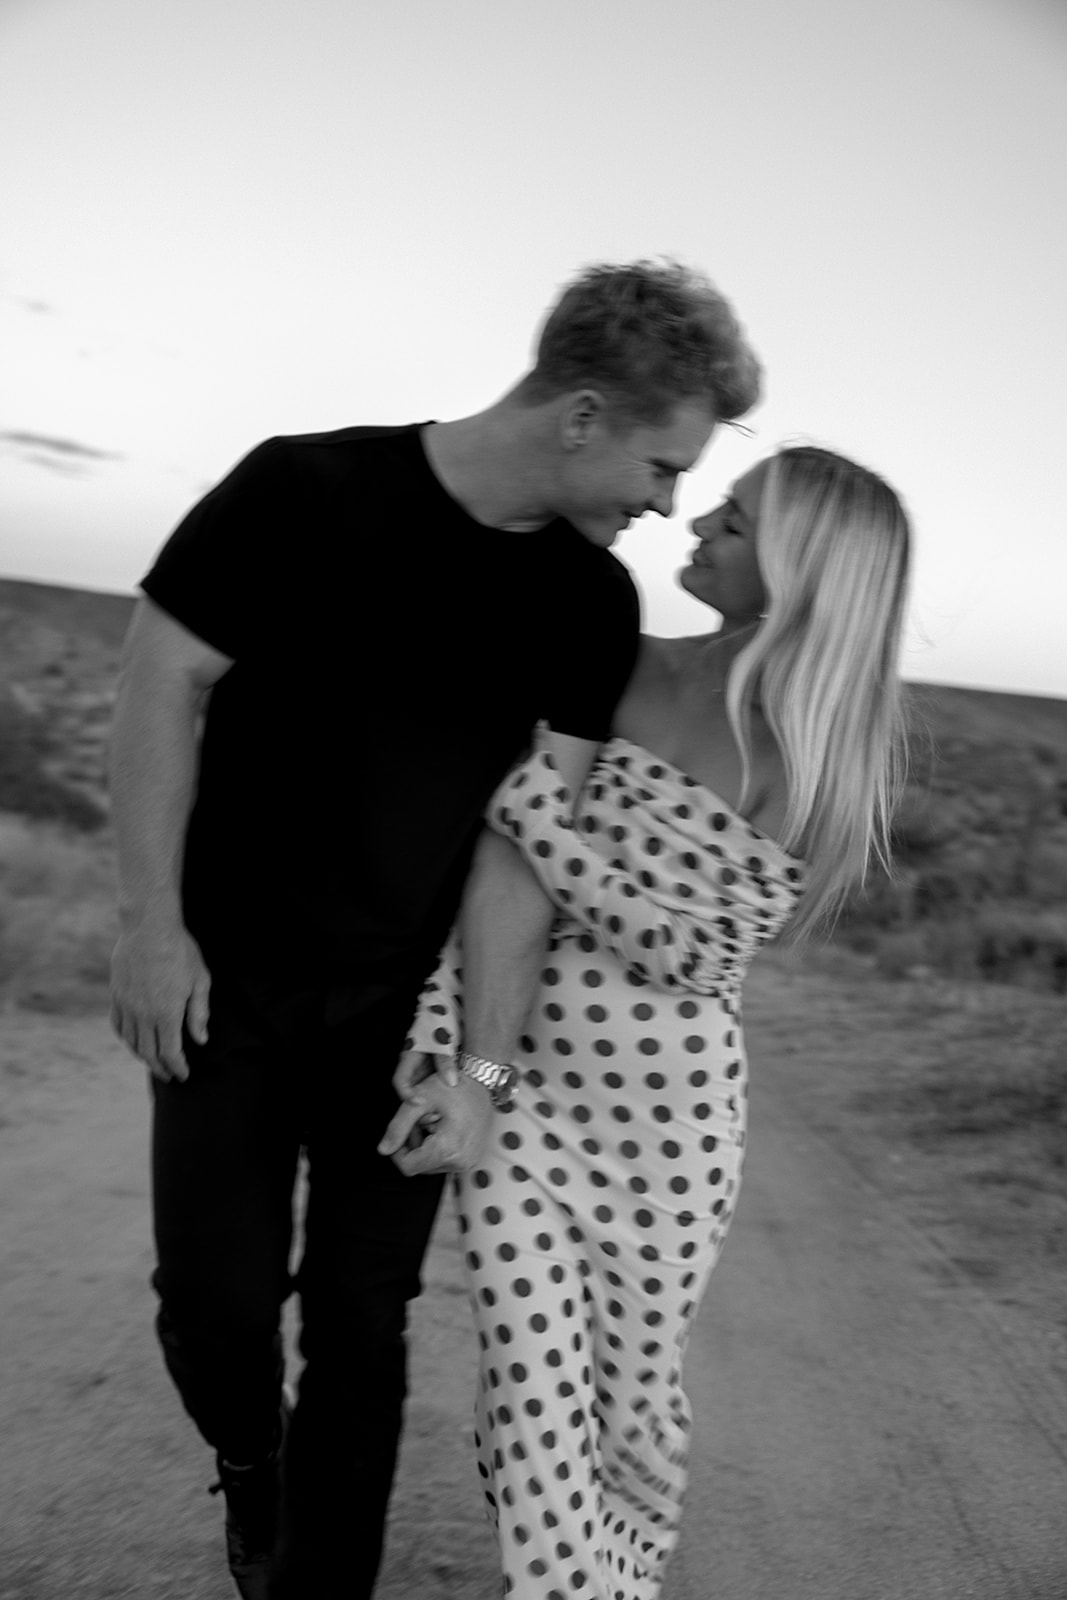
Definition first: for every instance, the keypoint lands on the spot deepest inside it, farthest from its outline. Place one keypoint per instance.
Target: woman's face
(723, 570)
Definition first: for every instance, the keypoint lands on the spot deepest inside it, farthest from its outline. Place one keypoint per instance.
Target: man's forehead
(679, 441)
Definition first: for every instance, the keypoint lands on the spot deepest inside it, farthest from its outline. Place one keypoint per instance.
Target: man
(368, 624)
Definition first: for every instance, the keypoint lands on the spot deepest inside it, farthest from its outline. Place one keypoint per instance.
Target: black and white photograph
(533, 800)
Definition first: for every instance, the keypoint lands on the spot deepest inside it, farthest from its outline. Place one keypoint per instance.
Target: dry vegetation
(980, 892)
(980, 884)
(56, 919)
(59, 655)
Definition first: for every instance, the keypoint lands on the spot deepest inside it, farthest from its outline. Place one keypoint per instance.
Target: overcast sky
(224, 219)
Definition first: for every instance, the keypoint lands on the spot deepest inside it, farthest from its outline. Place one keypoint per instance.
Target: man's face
(614, 475)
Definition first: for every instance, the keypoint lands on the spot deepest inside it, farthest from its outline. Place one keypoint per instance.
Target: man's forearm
(505, 922)
(153, 781)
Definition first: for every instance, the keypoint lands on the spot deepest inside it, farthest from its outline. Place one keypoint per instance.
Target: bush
(1018, 944)
(26, 785)
(57, 918)
(1006, 943)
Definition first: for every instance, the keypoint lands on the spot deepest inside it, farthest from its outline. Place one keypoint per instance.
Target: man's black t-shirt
(391, 657)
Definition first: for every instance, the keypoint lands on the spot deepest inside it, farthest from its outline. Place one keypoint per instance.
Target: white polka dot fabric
(592, 1227)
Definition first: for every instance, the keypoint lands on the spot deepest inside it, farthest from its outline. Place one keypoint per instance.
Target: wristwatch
(499, 1077)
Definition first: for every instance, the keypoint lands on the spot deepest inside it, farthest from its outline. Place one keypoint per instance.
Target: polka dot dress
(604, 1200)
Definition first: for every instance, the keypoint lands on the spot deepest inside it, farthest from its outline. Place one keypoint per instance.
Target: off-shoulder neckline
(694, 783)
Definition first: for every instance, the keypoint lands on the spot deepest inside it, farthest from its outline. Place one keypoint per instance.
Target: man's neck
(494, 464)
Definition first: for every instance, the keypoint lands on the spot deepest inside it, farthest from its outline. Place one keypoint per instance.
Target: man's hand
(458, 1118)
(158, 982)
(416, 1066)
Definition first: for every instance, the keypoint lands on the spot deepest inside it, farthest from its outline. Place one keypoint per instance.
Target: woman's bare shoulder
(671, 652)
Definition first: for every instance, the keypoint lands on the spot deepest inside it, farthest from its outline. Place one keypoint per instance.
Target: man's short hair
(648, 335)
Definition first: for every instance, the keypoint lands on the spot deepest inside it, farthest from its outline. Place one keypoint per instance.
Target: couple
(336, 673)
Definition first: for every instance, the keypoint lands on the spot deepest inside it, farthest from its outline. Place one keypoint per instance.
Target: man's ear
(585, 412)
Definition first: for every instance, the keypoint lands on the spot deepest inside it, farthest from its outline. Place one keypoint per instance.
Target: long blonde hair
(833, 544)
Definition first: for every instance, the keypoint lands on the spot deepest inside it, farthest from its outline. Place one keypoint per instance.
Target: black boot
(252, 1496)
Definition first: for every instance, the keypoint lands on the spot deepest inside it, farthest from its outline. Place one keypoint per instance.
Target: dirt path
(874, 1421)
(870, 1427)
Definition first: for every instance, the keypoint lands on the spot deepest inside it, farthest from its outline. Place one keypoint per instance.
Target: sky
(226, 219)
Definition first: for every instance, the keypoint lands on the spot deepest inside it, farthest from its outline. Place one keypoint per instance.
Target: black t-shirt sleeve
(594, 651)
(225, 573)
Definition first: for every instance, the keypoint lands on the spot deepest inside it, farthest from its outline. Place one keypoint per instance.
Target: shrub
(1020, 944)
(57, 919)
(1005, 943)
(26, 785)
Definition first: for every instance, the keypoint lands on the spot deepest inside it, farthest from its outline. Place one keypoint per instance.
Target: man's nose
(663, 500)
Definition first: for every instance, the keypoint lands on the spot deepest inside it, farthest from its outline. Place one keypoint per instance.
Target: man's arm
(505, 920)
(159, 980)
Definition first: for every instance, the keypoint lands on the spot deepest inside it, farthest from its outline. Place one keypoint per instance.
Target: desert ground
(879, 1372)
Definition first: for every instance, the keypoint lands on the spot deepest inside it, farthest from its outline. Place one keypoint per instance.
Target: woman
(751, 778)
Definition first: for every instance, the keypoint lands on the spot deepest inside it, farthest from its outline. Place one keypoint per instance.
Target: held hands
(158, 983)
(443, 1124)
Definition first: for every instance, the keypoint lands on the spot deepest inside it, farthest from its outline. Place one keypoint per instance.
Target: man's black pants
(225, 1149)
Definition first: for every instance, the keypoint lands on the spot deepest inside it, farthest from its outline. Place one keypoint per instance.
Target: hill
(59, 656)
(981, 841)
(38, 617)
(980, 844)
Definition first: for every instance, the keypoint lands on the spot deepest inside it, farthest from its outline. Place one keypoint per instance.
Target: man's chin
(601, 532)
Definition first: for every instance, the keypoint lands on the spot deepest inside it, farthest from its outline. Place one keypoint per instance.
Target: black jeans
(226, 1144)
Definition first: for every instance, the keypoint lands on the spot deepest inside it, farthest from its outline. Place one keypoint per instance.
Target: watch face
(506, 1086)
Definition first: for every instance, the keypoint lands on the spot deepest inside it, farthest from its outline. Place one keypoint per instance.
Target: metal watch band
(496, 1076)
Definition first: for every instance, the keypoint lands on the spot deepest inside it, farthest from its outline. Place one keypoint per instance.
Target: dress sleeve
(653, 931)
(437, 1026)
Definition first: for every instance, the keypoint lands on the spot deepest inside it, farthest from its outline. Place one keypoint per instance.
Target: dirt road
(868, 1427)
(871, 1424)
